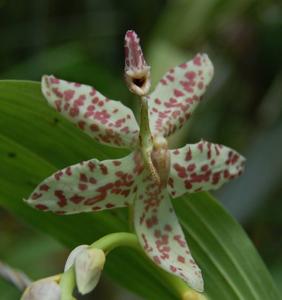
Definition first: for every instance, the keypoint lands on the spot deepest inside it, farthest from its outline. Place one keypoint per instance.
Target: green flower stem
(67, 284)
(121, 239)
(114, 240)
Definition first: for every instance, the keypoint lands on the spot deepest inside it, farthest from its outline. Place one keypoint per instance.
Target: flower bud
(137, 72)
(44, 289)
(73, 255)
(88, 268)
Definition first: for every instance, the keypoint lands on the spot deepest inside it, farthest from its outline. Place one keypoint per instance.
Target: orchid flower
(151, 174)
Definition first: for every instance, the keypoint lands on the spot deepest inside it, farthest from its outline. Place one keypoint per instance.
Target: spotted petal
(107, 121)
(178, 93)
(160, 234)
(202, 167)
(89, 186)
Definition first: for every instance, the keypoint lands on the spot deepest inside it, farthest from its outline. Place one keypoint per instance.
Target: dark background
(83, 41)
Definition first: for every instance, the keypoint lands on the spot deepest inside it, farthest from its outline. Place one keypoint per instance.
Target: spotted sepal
(160, 234)
(89, 186)
(107, 121)
(202, 167)
(178, 93)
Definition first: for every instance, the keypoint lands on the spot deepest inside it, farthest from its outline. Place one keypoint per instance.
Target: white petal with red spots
(89, 186)
(160, 234)
(202, 167)
(108, 121)
(178, 93)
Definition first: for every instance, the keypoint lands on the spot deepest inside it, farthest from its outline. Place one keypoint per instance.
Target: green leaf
(35, 141)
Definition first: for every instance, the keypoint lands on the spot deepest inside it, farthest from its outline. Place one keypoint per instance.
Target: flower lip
(137, 72)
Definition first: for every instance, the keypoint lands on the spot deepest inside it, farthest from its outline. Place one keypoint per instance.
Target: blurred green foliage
(81, 41)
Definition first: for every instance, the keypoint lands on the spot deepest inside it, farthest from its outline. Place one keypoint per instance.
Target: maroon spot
(66, 106)
(54, 80)
(157, 260)
(226, 174)
(103, 169)
(216, 177)
(57, 92)
(179, 240)
(158, 101)
(170, 78)
(95, 100)
(58, 105)
(61, 197)
(36, 196)
(76, 199)
(188, 184)
(181, 259)
(83, 177)
(157, 233)
(41, 206)
(96, 208)
(172, 268)
(150, 222)
(197, 60)
(188, 155)
(181, 172)
(44, 187)
(91, 166)
(74, 111)
(176, 152)
(68, 171)
(190, 75)
(93, 92)
(94, 127)
(92, 180)
(168, 227)
(81, 125)
(82, 186)
(68, 94)
(58, 175)
(204, 167)
(191, 167)
(200, 146)
(200, 85)
(79, 101)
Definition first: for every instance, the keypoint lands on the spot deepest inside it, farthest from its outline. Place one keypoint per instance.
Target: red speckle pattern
(178, 93)
(107, 121)
(202, 167)
(90, 186)
(160, 233)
